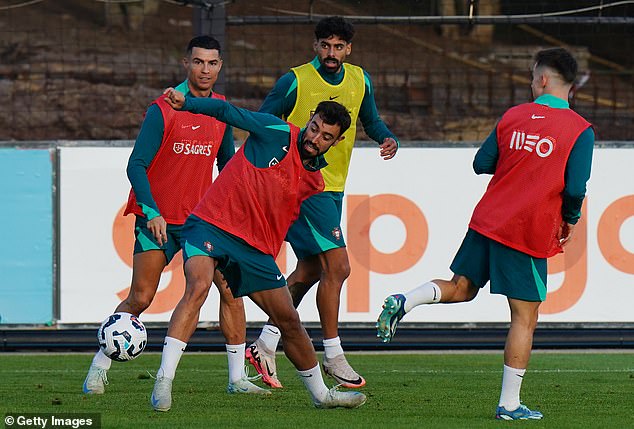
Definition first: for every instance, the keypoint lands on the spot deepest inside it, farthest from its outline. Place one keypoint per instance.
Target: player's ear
(348, 48)
(341, 137)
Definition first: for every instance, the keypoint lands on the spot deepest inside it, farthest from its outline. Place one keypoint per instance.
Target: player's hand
(388, 148)
(565, 232)
(158, 228)
(174, 98)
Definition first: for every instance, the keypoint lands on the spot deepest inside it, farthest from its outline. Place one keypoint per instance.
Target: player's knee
(196, 291)
(139, 300)
(288, 322)
(339, 271)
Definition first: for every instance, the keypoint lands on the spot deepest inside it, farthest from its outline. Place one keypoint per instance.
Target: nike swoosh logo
(232, 351)
(272, 331)
(332, 98)
(537, 117)
(280, 277)
(271, 374)
(154, 401)
(357, 381)
(195, 127)
(307, 376)
(285, 148)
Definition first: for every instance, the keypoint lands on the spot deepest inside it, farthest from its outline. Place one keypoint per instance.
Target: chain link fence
(442, 70)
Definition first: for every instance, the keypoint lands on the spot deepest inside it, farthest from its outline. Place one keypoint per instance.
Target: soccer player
(239, 226)
(316, 236)
(540, 155)
(170, 169)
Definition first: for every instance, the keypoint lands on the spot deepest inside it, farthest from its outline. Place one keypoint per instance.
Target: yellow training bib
(311, 89)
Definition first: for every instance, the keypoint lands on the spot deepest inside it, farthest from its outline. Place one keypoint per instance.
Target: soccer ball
(122, 337)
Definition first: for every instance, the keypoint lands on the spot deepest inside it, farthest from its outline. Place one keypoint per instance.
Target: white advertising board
(403, 221)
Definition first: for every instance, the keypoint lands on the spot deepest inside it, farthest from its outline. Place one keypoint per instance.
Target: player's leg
(148, 263)
(278, 305)
(261, 353)
(471, 268)
(199, 271)
(233, 326)
(522, 279)
(146, 274)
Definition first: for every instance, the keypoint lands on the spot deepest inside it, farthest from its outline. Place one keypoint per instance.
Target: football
(122, 337)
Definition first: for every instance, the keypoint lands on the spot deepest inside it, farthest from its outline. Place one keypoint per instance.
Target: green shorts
(145, 239)
(245, 268)
(318, 227)
(511, 272)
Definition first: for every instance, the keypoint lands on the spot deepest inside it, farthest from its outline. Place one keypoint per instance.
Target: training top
(252, 201)
(522, 206)
(297, 93)
(171, 165)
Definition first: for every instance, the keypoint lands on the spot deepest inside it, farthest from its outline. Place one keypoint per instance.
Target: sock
(332, 347)
(511, 385)
(270, 336)
(172, 351)
(235, 358)
(428, 293)
(101, 360)
(314, 383)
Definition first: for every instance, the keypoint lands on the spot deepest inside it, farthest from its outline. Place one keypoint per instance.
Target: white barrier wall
(403, 221)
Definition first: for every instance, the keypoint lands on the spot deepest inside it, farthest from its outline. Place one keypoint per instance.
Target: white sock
(270, 336)
(511, 385)
(332, 347)
(314, 383)
(172, 351)
(428, 293)
(101, 360)
(235, 359)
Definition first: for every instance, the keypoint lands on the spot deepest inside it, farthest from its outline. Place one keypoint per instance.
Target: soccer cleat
(335, 399)
(96, 381)
(521, 413)
(244, 385)
(339, 369)
(161, 398)
(392, 313)
(264, 363)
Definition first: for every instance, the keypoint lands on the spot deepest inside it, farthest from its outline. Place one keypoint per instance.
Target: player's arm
(146, 146)
(372, 123)
(281, 100)
(227, 148)
(145, 149)
(486, 157)
(576, 176)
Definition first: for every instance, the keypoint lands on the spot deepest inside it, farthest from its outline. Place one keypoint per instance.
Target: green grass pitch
(430, 390)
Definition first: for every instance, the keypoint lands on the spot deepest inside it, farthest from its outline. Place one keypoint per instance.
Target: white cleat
(244, 385)
(335, 399)
(339, 369)
(96, 381)
(161, 399)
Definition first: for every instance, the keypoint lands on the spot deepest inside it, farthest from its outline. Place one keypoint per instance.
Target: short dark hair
(333, 113)
(560, 60)
(205, 42)
(334, 26)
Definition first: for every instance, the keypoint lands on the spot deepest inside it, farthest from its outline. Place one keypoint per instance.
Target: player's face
(318, 138)
(332, 52)
(203, 66)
